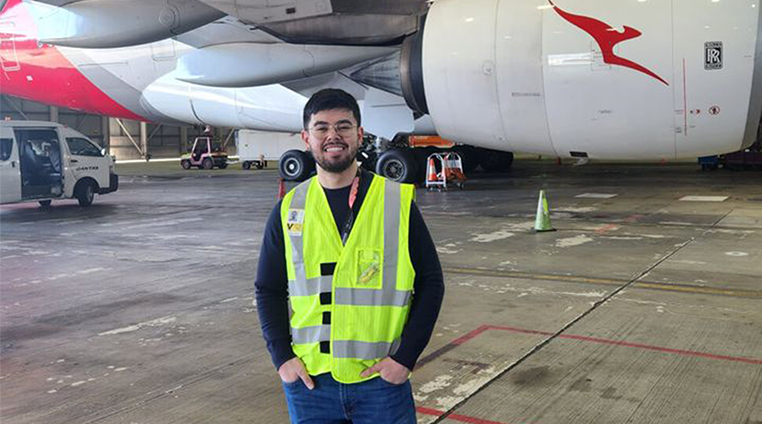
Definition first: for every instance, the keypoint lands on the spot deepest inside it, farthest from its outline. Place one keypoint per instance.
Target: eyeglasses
(343, 129)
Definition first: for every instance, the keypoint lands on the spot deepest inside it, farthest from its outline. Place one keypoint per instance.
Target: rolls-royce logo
(713, 55)
(607, 37)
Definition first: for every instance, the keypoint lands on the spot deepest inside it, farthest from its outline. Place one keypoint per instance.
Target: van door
(10, 174)
(86, 160)
(40, 162)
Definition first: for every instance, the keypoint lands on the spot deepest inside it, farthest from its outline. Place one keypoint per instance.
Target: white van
(42, 161)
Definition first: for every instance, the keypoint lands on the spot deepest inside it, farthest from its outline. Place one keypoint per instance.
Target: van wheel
(207, 164)
(45, 203)
(85, 193)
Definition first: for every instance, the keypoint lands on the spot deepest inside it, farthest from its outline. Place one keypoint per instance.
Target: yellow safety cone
(542, 221)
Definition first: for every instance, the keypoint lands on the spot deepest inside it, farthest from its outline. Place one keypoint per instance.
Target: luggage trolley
(451, 166)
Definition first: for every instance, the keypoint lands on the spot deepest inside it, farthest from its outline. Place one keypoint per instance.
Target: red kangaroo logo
(607, 37)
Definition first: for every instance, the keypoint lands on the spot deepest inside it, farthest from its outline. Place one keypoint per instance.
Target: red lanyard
(351, 215)
(353, 191)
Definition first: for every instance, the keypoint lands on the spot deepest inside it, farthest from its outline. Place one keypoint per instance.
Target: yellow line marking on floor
(675, 287)
(695, 289)
(515, 274)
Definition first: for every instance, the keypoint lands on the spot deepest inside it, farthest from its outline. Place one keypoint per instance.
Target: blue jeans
(330, 402)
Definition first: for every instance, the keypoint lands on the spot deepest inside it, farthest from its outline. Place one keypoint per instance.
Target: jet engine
(642, 80)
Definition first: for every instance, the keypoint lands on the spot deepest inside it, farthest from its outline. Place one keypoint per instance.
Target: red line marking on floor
(666, 349)
(627, 344)
(429, 411)
(471, 335)
(456, 417)
(606, 228)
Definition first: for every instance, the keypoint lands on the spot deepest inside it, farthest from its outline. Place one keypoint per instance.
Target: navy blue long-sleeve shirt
(272, 281)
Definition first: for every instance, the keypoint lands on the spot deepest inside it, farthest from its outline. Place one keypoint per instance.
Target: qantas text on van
(42, 161)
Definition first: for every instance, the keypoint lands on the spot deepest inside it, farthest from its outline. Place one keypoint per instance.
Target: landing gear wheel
(185, 163)
(246, 165)
(470, 156)
(397, 165)
(85, 193)
(495, 161)
(295, 165)
(45, 204)
(223, 165)
(207, 163)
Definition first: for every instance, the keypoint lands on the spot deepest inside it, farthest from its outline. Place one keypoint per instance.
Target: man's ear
(360, 134)
(306, 139)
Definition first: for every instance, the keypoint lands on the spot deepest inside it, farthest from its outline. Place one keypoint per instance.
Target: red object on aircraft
(607, 37)
(41, 73)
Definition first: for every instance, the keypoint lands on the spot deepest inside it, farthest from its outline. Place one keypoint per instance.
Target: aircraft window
(6, 148)
(82, 147)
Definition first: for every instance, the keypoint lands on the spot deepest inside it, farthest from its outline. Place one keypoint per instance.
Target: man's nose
(332, 132)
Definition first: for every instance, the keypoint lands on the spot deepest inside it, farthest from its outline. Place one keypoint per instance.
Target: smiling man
(348, 252)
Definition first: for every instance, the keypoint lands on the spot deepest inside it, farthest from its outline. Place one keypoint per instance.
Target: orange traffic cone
(281, 189)
(432, 171)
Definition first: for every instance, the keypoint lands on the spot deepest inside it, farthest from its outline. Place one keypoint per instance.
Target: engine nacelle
(221, 65)
(117, 23)
(267, 108)
(590, 78)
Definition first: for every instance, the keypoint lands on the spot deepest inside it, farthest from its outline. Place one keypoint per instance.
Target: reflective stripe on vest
(315, 334)
(310, 286)
(363, 350)
(300, 284)
(344, 348)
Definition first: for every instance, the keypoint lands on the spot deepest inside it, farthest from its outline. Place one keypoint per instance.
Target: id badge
(295, 221)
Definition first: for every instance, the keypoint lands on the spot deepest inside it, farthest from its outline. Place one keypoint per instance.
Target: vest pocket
(369, 268)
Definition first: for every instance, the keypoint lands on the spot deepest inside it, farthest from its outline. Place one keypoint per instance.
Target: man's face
(334, 137)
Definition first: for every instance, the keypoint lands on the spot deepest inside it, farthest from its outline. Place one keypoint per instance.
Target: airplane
(585, 79)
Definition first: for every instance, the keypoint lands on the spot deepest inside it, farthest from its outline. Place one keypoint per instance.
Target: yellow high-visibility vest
(349, 302)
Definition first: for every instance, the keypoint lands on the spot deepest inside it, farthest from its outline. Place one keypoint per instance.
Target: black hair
(329, 99)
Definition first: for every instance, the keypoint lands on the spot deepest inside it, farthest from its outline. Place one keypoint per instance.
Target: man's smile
(335, 147)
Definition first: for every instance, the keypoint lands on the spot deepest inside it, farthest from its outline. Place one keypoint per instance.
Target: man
(349, 253)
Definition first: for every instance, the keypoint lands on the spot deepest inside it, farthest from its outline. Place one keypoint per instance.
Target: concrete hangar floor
(644, 306)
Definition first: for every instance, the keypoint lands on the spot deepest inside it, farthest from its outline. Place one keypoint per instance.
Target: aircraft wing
(364, 22)
(302, 45)
(223, 31)
(112, 23)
